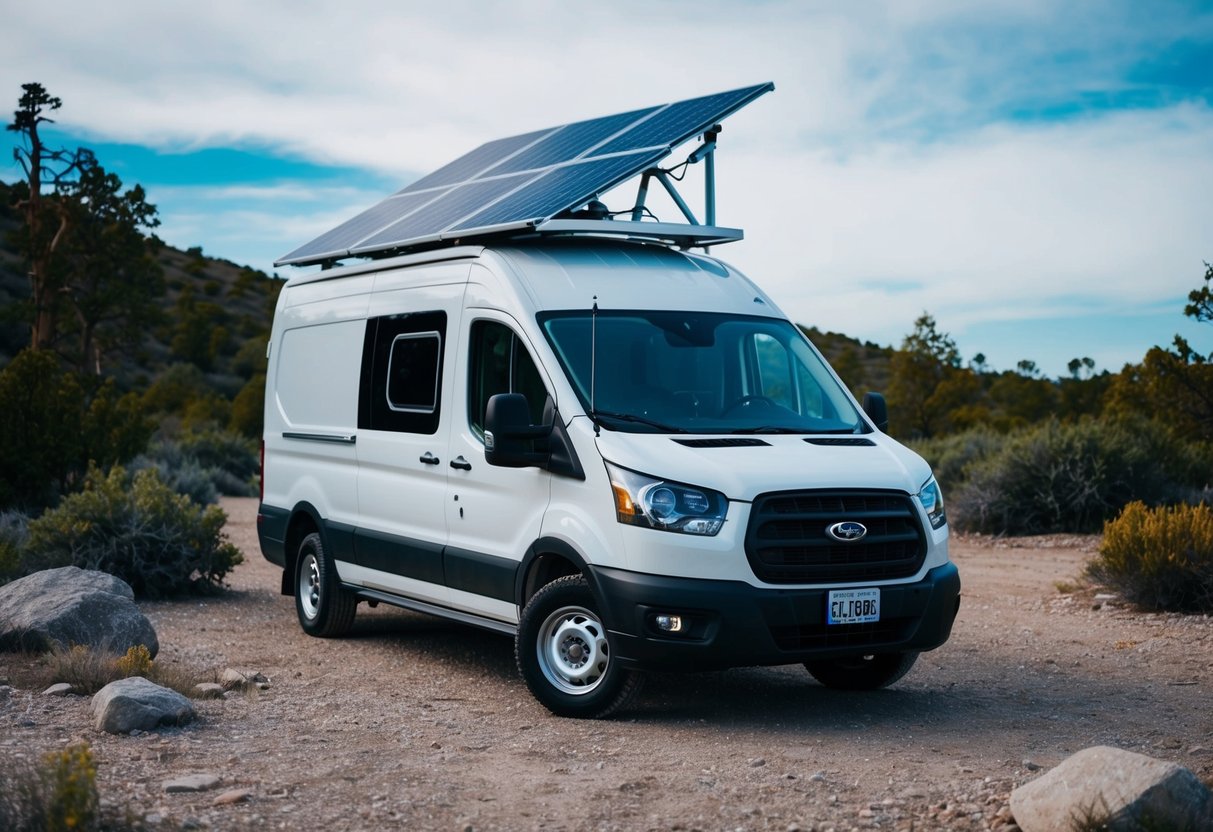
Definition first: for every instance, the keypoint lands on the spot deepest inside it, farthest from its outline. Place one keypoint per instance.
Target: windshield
(698, 372)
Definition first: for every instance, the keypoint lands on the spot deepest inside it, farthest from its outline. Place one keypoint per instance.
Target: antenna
(594, 363)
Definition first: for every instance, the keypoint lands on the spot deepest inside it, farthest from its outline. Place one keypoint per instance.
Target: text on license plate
(853, 606)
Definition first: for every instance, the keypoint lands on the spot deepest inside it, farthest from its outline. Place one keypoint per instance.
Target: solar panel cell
(477, 162)
(562, 188)
(679, 122)
(457, 203)
(338, 241)
(569, 142)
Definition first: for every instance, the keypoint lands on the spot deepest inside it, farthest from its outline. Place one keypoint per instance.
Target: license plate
(853, 606)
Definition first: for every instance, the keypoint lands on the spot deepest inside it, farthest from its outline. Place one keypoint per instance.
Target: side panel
(403, 462)
(312, 401)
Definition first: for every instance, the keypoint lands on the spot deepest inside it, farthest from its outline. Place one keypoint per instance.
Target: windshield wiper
(640, 420)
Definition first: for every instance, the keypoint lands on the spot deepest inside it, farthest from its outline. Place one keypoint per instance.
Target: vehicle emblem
(848, 531)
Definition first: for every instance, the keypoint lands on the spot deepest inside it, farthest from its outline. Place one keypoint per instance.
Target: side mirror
(878, 411)
(508, 433)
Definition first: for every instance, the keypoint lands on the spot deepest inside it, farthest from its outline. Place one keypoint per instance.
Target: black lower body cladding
(732, 624)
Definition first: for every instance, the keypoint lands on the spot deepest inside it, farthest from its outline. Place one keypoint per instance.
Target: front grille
(786, 542)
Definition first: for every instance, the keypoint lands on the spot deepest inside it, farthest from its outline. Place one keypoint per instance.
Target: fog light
(670, 623)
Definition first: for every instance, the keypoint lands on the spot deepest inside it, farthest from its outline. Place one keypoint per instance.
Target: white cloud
(882, 178)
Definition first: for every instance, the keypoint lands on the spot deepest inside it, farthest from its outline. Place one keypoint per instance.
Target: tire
(325, 608)
(564, 654)
(862, 672)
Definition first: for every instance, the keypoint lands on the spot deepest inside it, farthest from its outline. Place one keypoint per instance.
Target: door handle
(461, 463)
(428, 458)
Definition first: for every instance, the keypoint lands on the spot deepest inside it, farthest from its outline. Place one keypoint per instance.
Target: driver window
(500, 364)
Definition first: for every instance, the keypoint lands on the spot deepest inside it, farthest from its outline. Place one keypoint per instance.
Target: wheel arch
(547, 559)
(305, 519)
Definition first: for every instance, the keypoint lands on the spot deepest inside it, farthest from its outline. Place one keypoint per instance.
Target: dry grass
(88, 670)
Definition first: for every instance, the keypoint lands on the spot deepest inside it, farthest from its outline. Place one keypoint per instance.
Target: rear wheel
(564, 653)
(862, 672)
(325, 608)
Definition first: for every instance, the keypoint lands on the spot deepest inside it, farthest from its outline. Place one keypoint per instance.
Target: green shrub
(952, 456)
(1068, 478)
(56, 796)
(204, 465)
(1160, 558)
(54, 422)
(226, 451)
(248, 408)
(158, 541)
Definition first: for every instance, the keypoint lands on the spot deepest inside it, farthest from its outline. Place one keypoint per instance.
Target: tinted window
(402, 373)
(412, 372)
(501, 364)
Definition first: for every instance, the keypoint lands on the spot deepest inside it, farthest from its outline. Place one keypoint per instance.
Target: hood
(779, 463)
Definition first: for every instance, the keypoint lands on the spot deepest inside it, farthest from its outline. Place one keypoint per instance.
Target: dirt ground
(415, 723)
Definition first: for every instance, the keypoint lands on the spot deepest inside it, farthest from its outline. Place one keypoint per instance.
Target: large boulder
(1114, 787)
(135, 703)
(67, 606)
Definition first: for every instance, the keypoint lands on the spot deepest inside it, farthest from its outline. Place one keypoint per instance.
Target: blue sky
(1036, 175)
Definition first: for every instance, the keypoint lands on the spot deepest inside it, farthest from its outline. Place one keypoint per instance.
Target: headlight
(932, 500)
(668, 506)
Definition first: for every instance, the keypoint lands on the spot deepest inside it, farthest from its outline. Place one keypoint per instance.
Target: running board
(468, 618)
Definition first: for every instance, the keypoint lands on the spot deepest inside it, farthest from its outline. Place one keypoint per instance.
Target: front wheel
(325, 608)
(862, 672)
(564, 654)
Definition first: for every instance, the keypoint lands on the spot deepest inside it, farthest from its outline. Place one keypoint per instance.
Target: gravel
(416, 723)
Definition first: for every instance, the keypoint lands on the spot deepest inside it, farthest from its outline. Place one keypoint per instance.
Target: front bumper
(733, 624)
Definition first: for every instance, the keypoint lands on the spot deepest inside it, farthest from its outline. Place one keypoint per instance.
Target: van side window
(402, 373)
(500, 364)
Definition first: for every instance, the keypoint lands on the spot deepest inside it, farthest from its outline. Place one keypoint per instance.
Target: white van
(621, 454)
(524, 412)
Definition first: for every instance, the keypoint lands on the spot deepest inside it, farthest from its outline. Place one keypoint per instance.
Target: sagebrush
(57, 792)
(160, 542)
(1069, 478)
(1159, 558)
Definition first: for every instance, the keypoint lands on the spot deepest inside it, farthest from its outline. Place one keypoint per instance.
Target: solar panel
(523, 180)
(562, 187)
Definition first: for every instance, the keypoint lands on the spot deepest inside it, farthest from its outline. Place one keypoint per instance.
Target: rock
(135, 703)
(191, 783)
(233, 679)
(233, 796)
(1124, 789)
(68, 606)
(209, 690)
(59, 689)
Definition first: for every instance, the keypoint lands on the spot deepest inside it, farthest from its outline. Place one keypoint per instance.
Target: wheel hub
(573, 650)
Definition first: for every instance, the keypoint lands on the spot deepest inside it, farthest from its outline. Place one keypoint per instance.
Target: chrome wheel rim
(572, 649)
(309, 586)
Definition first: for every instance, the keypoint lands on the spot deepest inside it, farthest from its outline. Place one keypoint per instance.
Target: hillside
(214, 315)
